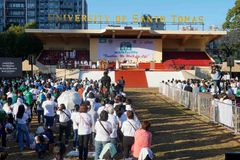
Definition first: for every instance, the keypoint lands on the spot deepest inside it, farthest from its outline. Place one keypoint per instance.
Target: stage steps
(133, 78)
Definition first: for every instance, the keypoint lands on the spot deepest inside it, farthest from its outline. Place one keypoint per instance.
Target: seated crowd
(105, 122)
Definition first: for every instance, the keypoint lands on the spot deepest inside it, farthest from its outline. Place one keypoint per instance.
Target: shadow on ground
(179, 133)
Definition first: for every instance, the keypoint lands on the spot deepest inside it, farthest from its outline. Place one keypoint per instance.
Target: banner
(10, 67)
(226, 113)
(126, 49)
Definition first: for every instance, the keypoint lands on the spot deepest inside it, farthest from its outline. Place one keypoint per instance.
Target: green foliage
(229, 45)
(16, 43)
(233, 17)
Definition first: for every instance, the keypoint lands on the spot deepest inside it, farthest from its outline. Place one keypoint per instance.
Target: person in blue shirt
(217, 79)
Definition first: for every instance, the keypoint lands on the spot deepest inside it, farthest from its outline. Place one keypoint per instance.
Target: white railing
(216, 111)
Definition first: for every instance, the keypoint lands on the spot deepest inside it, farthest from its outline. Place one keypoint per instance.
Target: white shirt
(49, 108)
(100, 109)
(84, 122)
(64, 116)
(127, 129)
(73, 118)
(7, 109)
(101, 134)
(15, 107)
(23, 120)
(114, 122)
(34, 92)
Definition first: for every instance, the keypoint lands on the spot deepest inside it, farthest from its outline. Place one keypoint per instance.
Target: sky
(213, 11)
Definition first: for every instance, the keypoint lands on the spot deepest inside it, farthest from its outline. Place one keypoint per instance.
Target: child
(41, 141)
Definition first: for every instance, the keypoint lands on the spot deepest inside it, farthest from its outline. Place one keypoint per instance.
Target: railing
(225, 113)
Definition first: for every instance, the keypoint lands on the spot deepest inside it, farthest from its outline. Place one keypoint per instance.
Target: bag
(65, 124)
(104, 128)
(132, 126)
(68, 122)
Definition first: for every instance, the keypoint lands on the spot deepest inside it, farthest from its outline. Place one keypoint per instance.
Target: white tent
(27, 67)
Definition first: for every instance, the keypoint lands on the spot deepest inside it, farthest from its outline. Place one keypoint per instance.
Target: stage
(133, 78)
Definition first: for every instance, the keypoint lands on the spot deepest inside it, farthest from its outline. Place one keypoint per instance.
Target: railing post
(236, 119)
(213, 110)
(198, 104)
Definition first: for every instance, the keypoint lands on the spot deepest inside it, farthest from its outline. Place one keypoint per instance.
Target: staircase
(133, 78)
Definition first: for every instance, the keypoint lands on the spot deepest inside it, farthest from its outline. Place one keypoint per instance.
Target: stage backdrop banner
(10, 67)
(126, 49)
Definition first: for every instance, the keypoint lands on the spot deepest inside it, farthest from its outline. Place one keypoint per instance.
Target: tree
(229, 45)
(16, 43)
(233, 17)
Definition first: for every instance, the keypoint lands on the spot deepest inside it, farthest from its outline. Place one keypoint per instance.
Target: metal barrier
(227, 114)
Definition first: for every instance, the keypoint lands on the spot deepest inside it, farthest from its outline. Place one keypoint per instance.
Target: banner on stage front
(126, 49)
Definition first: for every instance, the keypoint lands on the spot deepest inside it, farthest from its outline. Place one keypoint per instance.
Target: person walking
(103, 131)
(129, 127)
(75, 126)
(49, 108)
(142, 139)
(65, 123)
(84, 122)
(22, 129)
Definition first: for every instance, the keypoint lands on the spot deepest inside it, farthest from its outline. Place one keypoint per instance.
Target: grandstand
(127, 48)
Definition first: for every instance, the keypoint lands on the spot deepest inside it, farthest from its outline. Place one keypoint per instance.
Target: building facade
(27, 11)
(1, 15)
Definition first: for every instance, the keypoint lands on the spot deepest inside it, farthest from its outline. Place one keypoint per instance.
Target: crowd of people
(104, 122)
(217, 86)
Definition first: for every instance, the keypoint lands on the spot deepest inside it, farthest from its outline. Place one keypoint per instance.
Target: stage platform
(133, 78)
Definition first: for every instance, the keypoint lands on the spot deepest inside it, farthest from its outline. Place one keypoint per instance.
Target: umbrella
(70, 99)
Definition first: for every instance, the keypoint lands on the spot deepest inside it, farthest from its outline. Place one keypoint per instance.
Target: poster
(10, 67)
(126, 49)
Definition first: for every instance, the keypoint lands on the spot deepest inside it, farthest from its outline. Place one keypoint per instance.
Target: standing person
(121, 84)
(3, 134)
(22, 129)
(106, 82)
(28, 98)
(49, 108)
(41, 98)
(8, 108)
(84, 122)
(65, 123)
(142, 139)
(75, 126)
(217, 76)
(115, 124)
(103, 131)
(129, 127)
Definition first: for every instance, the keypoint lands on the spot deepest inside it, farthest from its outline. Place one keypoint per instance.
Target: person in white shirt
(22, 129)
(115, 124)
(84, 122)
(103, 131)
(16, 106)
(49, 108)
(65, 123)
(8, 108)
(75, 126)
(35, 92)
(128, 129)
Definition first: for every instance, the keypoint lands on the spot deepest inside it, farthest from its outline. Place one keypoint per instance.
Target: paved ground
(177, 132)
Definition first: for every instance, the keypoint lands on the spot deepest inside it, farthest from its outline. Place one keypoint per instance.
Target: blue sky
(213, 11)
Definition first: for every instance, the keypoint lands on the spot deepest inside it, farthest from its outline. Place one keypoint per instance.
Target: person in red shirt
(80, 90)
(142, 139)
